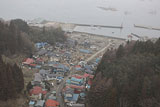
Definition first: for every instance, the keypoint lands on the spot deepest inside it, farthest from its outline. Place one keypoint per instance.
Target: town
(61, 75)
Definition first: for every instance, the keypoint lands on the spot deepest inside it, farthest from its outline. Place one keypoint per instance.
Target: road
(59, 95)
(97, 53)
(60, 87)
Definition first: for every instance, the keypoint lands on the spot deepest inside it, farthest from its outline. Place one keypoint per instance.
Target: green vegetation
(18, 37)
(11, 80)
(128, 77)
(44, 34)
(13, 41)
(49, 35)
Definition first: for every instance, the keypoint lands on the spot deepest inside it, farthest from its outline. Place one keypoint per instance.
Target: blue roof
(82, 94)
(76, 80)
(87, 67)
(98, 60)
(31, 103)
(59, 77)
(78, 68)
(85, 51)
(38, 66)
(75, 97)
(68, 81)
(41, 44)
(59, 66)
(89, 71)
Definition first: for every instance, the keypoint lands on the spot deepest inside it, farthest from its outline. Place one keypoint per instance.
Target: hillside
(128, 77)
(12, 40)
(41, 34)
(11, 80)
(17, 37)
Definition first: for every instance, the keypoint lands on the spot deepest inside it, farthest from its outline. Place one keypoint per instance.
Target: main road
(97, 53)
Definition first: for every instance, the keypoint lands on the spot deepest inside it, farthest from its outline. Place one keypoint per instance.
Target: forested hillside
(18, 37)
(12, 40)
(11, 80)
(44, 34)
(128, 77)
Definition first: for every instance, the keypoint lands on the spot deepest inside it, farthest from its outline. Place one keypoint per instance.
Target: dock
(146, 27)
(104, 26)
(135, 35)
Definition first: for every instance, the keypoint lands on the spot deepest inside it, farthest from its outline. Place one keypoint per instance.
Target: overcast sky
(82, 10)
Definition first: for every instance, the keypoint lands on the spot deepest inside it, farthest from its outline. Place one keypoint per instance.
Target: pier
(146, 27)
(104, 26)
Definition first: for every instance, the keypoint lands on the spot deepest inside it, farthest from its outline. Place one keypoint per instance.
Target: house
(75, 105)
(37, 77)
(89, 71)
(79, 77)
(41, 52)
(38, 66)
(93, 47)
(71, 42)
(82, 95)
(77, 87)
(40, 45)
(85, 51)
(82, 63)
(60, 69)
(98, 60)
(31, 103)
(69, 95)
(32, 65)
(53, 95)
(39, 103)
(76, 81)
(88, 76)
(37, 92)
(78, 68)
(28, 61)
(43, 72)
(51, 103)
(51, 77)
(39, 61)
(87, 67)
(67, 55)
(73, 98)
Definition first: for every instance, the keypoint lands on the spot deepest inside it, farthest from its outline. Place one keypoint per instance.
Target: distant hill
(128, 77)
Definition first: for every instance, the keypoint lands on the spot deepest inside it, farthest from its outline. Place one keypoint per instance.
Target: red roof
(78, 76)
(77, 66)
(76, 87)
(51, 103)
(89, 82)
(39, 59)
(37, 90)
(33, 65)
(88, 75)
(91, 76)
(28, 61)
(44, 92)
